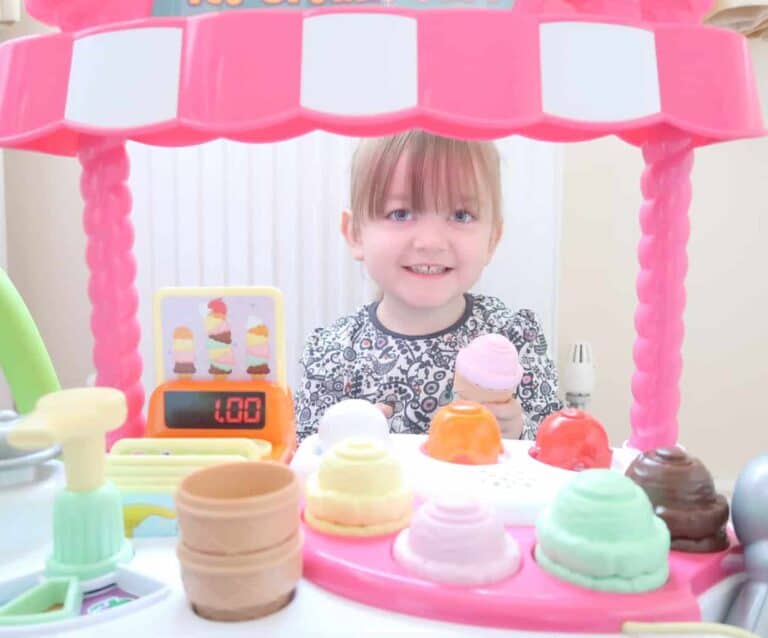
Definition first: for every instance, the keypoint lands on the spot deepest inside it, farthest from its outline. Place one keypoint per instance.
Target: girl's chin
(428, 300)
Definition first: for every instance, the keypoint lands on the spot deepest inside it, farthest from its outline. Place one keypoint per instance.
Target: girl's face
(424, 259)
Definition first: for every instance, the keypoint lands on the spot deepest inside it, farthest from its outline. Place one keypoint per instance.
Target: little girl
(425, 220)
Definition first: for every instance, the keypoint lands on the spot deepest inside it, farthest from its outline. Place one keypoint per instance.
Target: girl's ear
(353, 238)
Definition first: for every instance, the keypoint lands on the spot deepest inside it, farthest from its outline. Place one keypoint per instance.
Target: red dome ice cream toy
(573, 440)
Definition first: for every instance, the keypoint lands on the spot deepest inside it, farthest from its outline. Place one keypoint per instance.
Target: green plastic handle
(23, 357)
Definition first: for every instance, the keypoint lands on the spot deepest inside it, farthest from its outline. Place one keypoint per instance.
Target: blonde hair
(439, 168)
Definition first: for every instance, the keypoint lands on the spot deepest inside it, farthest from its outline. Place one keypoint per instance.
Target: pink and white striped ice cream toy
(457, 541)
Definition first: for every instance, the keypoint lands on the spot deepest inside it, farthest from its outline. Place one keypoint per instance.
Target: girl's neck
(407, 320)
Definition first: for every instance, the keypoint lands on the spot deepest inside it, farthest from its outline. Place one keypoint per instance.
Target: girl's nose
(429, 233)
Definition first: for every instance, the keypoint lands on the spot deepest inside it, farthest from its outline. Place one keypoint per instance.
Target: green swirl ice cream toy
(601, 533)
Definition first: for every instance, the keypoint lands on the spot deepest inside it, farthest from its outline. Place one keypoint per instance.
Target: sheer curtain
(227, 213)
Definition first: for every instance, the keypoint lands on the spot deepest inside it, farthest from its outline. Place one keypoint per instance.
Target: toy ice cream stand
(447, 533)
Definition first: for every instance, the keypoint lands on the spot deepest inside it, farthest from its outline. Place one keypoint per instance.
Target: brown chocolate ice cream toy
(683, 494)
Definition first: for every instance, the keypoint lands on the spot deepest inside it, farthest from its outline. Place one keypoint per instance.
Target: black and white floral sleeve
(324, 379)
(538, 388)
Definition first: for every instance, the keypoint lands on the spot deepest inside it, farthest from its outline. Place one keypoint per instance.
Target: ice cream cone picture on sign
(184, 353)
(220, 334)
(219, 339)
(257, 349)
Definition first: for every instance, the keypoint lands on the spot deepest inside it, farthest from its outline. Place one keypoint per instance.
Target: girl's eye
(400, 215)
(463, 216)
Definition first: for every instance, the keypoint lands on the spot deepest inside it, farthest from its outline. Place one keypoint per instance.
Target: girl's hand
(386, 410)
(510, 417)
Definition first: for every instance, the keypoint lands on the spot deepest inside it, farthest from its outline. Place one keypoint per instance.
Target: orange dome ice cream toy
(464, 432)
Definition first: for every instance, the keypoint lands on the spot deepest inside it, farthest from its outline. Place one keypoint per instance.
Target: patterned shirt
(358, 358)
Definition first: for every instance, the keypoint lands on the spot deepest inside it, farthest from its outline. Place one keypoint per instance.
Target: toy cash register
(220, 365)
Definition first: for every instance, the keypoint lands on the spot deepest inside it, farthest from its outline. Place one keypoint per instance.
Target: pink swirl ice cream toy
(457, 541)
(490, 363)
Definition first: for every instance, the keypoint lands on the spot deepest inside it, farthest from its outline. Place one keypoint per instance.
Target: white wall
(725, 373)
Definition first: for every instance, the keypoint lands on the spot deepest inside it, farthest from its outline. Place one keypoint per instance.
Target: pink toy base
(363, 569)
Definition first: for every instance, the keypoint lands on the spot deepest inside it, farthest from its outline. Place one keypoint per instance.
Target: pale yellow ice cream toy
(358, 491)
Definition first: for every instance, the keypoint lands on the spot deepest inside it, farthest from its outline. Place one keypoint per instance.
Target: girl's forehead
(433, 180)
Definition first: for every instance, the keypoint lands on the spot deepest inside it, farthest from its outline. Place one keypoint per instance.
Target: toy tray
(132, 592)
(363, 569)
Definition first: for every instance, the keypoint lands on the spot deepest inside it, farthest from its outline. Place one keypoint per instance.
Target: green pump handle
(23, 357)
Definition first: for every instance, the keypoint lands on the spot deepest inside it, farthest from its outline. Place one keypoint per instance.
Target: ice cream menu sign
(219, 334)
(195, 7)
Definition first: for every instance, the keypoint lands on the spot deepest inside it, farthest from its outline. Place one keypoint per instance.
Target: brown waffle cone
(465, 390)
(241, 586)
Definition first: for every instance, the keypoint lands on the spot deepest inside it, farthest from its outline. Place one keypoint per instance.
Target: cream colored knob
(78, 419)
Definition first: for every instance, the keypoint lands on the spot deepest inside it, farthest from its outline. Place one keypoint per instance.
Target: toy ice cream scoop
(464, 432)
(683, 494)
(573, 440)
(358, 490)
(487, 370)
(601, 533)
(352, 418)
(88, 521)
(459, 542)
(84, 574)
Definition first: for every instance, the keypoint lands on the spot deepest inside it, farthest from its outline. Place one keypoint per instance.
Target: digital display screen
(225, 410)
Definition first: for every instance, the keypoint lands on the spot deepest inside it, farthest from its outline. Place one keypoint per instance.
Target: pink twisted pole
(112, 266)
(663, 260)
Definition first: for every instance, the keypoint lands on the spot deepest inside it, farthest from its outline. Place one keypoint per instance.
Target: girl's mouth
(428, 270)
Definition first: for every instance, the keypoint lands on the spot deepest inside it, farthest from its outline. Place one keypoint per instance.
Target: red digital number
(238, 410)
(252, 410)
(234, 410)
(217, 415)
